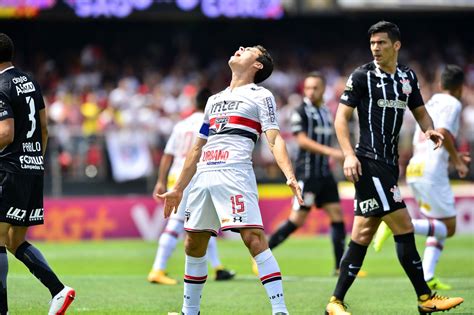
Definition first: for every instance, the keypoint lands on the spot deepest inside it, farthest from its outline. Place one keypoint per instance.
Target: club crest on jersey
(221, 122)
(397, 196)
(406, 86)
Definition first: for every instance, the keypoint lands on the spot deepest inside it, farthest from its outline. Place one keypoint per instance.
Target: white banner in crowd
(129, 155)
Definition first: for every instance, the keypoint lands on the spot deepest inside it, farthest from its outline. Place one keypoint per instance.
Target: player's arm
(44, 129)
(163, 171)
(460, 162)
(308, 144)
(7, 132)
(352, 167)
(426, 125)
(173, 197)
(278, 149)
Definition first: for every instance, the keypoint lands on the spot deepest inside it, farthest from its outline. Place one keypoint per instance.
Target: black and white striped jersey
(317, 123)
(381, 99)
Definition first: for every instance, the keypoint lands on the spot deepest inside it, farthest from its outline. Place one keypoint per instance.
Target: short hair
(452, 77)
(267, 61)
(6, 48)
(201, 98)
(316, 74)
(390, 28)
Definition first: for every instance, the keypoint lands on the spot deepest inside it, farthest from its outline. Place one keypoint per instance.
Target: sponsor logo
(224, 106)
(320, 130)
(379, 85)
(368, 205)
(215, 156)
(397, 196)
(392, 103)
(406, 87)
(31, 162)
(238, 219)
(221, 122)
(16, 214)
(271, 108)
(24, 88)
(344, 97)
(4, 113)
(21, 79)
(32, 146)
(349, 86)
(36, 214)
(225, 221)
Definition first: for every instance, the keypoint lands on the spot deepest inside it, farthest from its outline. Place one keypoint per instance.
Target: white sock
(270, 276)
(434, 247)
(195, 275)
(167, 243)
(430, 227)
(212, 253)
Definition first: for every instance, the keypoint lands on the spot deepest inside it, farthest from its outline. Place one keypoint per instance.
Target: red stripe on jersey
(275, 274)
(241, 121)
(195, 278)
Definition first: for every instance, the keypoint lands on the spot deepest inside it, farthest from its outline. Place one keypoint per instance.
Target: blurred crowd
(101, 88)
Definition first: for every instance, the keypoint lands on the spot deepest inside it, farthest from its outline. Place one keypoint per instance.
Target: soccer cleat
(437, 303)
(224, 274)
(336, 307)
(436, 284)
(382, 234)
(61, 301)
(254, 267)
(160, 277)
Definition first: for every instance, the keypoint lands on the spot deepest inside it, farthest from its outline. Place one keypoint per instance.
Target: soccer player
(223, 194)
(23, 138)
(312, 125)
(427, 174)
(381, 90)
(181, 140)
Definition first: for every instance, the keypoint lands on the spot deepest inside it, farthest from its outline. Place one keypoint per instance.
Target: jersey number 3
(31, 116)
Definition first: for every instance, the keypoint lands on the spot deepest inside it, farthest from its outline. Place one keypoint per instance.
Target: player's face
(383, 49)
(245, 57)
(314, 89)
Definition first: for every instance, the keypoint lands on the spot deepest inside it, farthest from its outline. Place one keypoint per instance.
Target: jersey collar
(6, 69)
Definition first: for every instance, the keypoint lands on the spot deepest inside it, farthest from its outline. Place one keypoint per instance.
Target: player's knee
(364, 236)
(451, 231)
(254, 239)
(194, 247)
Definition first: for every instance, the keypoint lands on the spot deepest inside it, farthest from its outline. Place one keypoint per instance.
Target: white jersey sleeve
(170, 147)
(267, 112)
(449, 117)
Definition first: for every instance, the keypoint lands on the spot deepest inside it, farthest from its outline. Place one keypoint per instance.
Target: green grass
(110, 278)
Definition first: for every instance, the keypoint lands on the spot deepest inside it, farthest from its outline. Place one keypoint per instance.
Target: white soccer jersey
(233, 122)
(430, 165)
(180, 142)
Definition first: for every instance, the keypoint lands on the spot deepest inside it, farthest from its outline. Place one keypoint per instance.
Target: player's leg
(268, 269)
(297, 216)
(338, 232)
(221, 273)
(195, 270)
(4, 227)
(166, 245)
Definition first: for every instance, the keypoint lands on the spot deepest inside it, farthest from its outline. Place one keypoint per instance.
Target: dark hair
(202, 97)
(452, 77)
(390, 28)
(6, 48)
(316, 74)
(267, 61)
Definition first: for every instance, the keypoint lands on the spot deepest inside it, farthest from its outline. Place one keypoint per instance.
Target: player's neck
(390, 67)
(240, 79)
(5, 65)
(454, 94)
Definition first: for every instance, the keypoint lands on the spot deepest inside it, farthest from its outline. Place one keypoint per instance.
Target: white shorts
(435, 200)
(179, 215)
(225, 199)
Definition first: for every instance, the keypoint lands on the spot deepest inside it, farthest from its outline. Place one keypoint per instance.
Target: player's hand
(172, 199)
(436, 137)
(352, 168)
(296, 189)
(158, 190)
(463, 164)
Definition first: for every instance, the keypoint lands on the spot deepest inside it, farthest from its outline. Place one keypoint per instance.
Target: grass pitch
(110, 278)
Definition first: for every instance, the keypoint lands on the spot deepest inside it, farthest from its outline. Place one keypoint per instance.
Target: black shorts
(318, 191)
(377, 192)
(21, 199)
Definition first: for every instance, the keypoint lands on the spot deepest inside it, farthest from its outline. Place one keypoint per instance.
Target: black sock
(3, 280)
(281, 234)
(338, 237)
(350, 266)
(411, 262)
(36, 263)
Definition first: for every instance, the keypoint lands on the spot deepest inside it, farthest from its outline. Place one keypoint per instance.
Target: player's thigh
(298, 217)
(334, 211)
(399, 221)
(364, 228)
(234, 194)
(436, 200)
(4, 228)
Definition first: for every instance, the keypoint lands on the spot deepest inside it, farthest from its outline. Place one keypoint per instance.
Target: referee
(381, 90)
(312, 126)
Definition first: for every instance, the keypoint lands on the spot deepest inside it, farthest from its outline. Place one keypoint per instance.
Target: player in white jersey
(181, 140)
(224, 192)
(427, 174)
